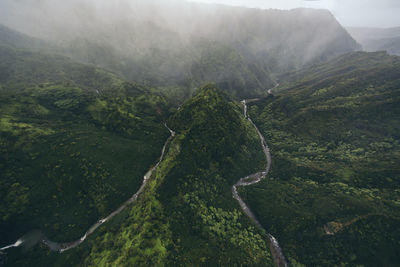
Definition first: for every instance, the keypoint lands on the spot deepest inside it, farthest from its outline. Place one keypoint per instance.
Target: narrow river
(278, 257)
(276, 251)
(37, 236)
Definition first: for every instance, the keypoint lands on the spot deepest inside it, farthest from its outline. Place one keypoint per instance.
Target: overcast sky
(364, 13)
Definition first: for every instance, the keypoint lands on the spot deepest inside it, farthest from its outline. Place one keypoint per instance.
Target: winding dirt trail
(38, 236)
(276, 251)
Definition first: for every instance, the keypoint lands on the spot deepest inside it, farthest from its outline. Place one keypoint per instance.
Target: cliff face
(176, 43)
(282, 39)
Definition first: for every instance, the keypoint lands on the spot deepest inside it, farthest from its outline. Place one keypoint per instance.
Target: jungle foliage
(75, 142)
(186, 45)
(186, 215)
(333, 193)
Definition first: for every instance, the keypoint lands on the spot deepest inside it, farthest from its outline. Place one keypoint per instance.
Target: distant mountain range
(376, 39)
(178, 43)
(89, 93)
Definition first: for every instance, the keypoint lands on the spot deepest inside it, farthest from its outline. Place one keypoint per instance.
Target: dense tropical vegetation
(83, 117)
(187, 214)
(333, 194)
(75, 143)
(179, 44)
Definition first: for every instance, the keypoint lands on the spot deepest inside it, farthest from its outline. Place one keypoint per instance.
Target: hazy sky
(365, 13)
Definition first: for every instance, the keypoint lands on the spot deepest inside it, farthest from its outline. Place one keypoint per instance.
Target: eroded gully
(276, 251)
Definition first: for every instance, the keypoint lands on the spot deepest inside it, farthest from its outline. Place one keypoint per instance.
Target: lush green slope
(75, 142)
(22, 68)
(9, 37)
(181, 45)
(229, 70)
(175, 73)
(186, 215)
(335, 143)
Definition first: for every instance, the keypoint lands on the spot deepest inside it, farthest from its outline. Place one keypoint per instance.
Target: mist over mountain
(378, 39)
(334, 132)
(177, 43)
(172, 133)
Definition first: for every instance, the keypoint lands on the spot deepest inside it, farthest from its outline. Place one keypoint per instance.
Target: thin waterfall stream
(37, 236)
(276, 251)
(251, 179)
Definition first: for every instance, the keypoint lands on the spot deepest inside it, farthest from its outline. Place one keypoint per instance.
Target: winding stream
(278, 257)
(37, 236)
(276, 251)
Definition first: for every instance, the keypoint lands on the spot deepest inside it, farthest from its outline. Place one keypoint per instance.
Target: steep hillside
(186, 215)
(198, 220)
(203, 61)
(283, 40)
(182, 44)
(333, 197)
(9, 37)
(75, 142)
(20, 68)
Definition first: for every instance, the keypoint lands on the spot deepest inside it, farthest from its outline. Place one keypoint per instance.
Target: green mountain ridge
(9, 37)
(75, 143)
(194, 191)
(169, 44)
(186, 214)
(85, 111)
(333, 132)
(21, 68)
